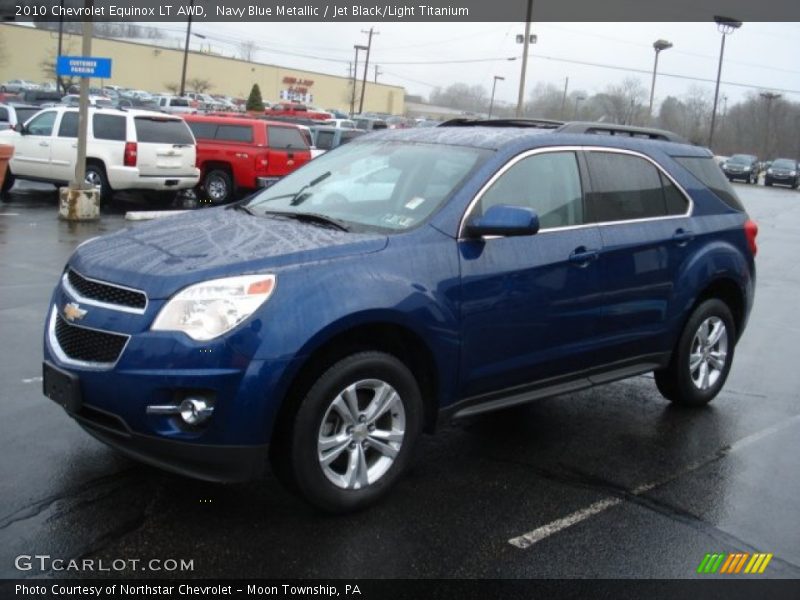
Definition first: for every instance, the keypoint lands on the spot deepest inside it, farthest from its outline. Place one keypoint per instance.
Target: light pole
(726, 26)
(578, 98)
(494, 84)
(526, 42)
(186, 48)
(769, 97)
(658, 46)
(366, 67)
(355, 79)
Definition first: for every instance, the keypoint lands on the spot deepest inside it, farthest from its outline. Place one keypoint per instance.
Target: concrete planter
(6, 152)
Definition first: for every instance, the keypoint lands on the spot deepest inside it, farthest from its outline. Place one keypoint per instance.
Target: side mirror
(504, 220)
(20, 128)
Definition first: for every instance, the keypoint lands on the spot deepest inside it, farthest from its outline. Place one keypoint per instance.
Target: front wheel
(8, 182)
(702, 357)
(354, 432)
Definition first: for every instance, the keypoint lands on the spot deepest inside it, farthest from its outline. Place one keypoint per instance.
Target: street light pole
(186, 48)
(578, 99)
(59, 87)
(658, 46)
(526, 43)
(726, 26)
(769, 97)
(494, 85)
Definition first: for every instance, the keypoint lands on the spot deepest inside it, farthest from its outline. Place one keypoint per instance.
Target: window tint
(325, 140)
(675, 202)
(3, 115)
(155, 130)
(69, 125)
(178, 102)
(235, 133)
(287, 138)
(624, 188)
(43, 123)
(23, 114)
(109, 127)
(710, 175)
(548, 183)
(205, 131)
(348, 136)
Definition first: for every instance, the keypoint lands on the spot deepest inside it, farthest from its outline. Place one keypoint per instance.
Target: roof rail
(535, 123)
(649, 133)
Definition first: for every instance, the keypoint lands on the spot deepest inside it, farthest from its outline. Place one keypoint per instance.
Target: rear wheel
(218, 186)
(702, 357)
(96, 177)
(353, 433)
(768, 183)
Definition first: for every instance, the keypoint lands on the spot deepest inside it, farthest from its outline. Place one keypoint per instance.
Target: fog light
(195, 411)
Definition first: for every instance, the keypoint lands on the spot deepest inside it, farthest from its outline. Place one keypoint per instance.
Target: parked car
(288, 109)
(784, 171)
(125, 150)
(370, 123)
(742, 166)
(140, 104)
(337, 114)
(502, 265)
(75, 100)
(41, 97)
(18, 85)
(174, 105)
(205, 101)
(13, 114)
(327, 138)
(236, 153)
(340, 123)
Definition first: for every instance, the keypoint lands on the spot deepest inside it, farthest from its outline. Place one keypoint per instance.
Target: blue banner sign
(84, 66)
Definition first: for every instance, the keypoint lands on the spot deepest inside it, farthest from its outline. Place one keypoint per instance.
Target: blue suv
(409, 277)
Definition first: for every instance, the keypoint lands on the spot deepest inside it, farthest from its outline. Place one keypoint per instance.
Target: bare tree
(461, 96)
(623, 103)
(247, 50)
(199, 85)
(48, 66)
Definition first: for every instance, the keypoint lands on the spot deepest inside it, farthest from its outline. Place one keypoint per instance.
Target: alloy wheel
(709, 353)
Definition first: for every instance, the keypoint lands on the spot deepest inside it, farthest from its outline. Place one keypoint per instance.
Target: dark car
(783, 171)
(742, 166)
(40, 97)
(323, 324)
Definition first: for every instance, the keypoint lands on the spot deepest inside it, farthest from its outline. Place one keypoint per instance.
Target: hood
(162, 256)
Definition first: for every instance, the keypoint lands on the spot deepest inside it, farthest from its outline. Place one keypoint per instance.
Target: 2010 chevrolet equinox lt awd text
(408, 277)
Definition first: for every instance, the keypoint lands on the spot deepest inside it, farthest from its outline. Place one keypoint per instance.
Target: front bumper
(264, 182)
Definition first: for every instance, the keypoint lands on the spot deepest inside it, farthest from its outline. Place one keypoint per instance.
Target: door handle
(44, 144)
(682, 236)
(74, 145)
(582, 256)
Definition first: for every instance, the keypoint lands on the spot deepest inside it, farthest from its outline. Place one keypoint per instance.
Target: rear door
(64, 149)
(165, 146)
(646, 234)
(288, 150)
(32, 150)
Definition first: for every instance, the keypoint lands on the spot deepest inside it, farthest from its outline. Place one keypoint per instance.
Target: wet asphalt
(615, 481)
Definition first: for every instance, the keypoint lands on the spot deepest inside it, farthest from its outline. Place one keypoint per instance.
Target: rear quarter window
(706, 171)
(235, 133)
(204, 131)
(155, 130)
(109, 127)
(325, 140)
(286, 138)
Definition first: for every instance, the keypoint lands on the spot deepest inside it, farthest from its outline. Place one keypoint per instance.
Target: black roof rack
(596, 128)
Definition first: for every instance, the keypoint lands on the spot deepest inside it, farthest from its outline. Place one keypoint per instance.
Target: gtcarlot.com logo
(733, 564)
(45, 563)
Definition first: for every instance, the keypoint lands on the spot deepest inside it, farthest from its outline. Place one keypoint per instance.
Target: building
(153, 68)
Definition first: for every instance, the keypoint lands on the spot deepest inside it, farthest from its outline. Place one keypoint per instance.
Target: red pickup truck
(241, 154)
(288, 109)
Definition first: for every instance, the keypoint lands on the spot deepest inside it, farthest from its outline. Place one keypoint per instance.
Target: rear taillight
(750, 232)
(129, 159)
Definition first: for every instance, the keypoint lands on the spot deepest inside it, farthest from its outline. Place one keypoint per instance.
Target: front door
(32, 150)
(530, 305)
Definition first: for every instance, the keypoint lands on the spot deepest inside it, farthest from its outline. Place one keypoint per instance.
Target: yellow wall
(140, 66)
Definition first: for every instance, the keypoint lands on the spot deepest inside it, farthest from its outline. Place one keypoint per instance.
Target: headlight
(792, 173)
(207, 310)
(769, 171)
(747, 168)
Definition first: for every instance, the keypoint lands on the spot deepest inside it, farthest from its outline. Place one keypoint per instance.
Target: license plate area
(61, 387)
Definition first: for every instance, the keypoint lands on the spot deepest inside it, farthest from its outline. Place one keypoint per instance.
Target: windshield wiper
(314, 218)
(298, 198)
(241, 207)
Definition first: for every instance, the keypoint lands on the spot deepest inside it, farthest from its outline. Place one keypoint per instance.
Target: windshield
(740, 159)
(373, 185)
(783, 163)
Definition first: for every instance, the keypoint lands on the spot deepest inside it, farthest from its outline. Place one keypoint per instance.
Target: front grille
(88, 345)
(106, 292)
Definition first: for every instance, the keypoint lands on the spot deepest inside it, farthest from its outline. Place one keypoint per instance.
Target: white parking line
(146, 215)
(32, 379)
(526, 540)
(9, 214)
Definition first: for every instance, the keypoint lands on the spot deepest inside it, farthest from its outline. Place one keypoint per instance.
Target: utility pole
(371, 32)
(769, 97)
(564, 97)
(186, 48)
(355, 79)
(377, 72)
(59, 88)
(526, 43)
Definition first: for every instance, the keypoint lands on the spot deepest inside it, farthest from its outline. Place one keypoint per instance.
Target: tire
(767, 183)
(218, 186)
(687, 386)
(8, 182)
(331, 451)
(96, 175)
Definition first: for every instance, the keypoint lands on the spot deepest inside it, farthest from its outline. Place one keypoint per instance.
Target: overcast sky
(763, 55)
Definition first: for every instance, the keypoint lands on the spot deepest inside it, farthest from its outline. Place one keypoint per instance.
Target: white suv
(125, 150)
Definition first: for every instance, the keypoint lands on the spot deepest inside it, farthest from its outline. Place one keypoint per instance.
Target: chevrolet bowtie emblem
(73, 312)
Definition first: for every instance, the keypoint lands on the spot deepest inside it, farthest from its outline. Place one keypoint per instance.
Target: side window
(548, 183)
(235, 133)
(624, 188)
(42, 124)
(676, 203)
(68, 127)
(325, 140)
(3, 115)
(202, 130)
(109, 127)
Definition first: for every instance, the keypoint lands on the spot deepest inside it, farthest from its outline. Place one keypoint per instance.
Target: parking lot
(610, 482)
